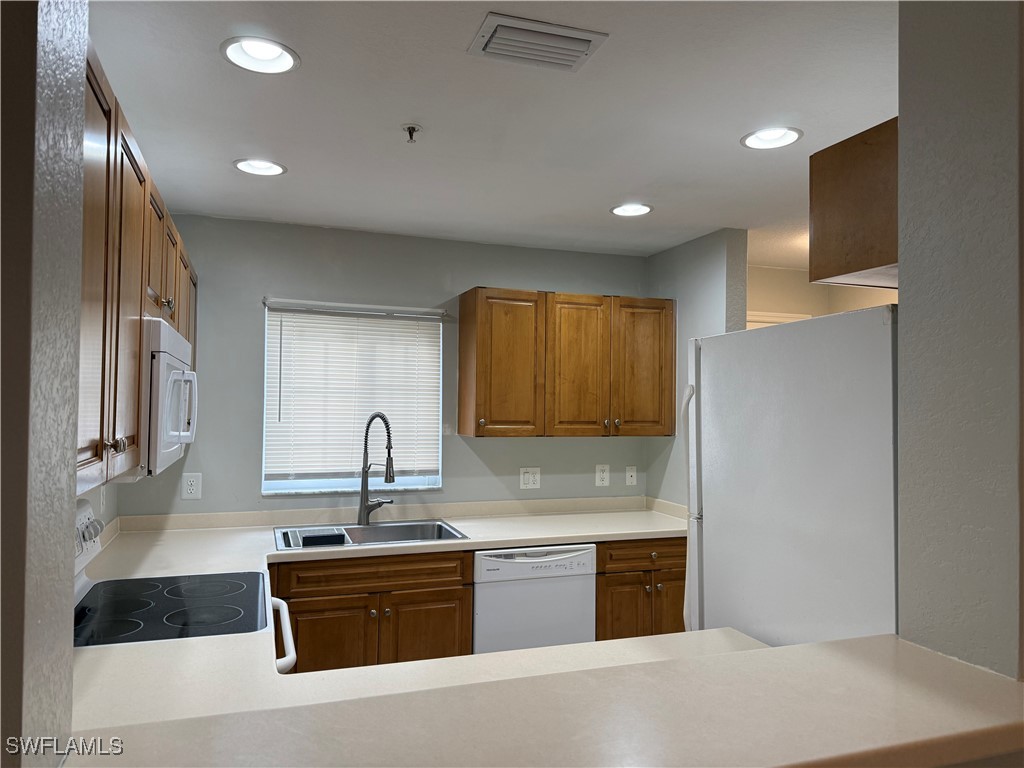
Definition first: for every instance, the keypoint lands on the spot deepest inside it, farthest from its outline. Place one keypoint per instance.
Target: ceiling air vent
(534, 42)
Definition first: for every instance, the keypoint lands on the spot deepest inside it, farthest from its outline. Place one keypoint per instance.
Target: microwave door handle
(193, 387)
(174, 377)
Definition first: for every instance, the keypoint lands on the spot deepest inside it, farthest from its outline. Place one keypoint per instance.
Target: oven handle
(286, 662)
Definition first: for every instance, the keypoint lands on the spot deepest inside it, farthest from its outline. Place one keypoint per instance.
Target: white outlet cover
(630, 475)
(529, 478)
(192, 486)
(602, 474)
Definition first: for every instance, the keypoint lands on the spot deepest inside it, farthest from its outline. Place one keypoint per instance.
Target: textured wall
(43, 109)
(959, 330)
(708, 279)
(240, 262)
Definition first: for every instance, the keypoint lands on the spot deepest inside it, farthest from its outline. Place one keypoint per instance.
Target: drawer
(317, 578)
(641, 555)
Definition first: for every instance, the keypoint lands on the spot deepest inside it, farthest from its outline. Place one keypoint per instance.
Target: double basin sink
(401, 532)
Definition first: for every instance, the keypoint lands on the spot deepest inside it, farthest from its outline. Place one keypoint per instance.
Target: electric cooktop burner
(161, 608)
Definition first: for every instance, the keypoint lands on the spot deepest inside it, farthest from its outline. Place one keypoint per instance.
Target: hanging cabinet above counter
(534, 363)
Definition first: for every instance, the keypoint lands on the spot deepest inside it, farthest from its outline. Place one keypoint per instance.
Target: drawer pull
(654, 555)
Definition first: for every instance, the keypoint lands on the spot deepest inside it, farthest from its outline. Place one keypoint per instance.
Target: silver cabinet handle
(618, 422)
(660, 587)
(169, 303)
(648, 587)
(373, 614)
(654, 555)
(117, 445)
(387, 611)
(606, 422)
(482, 422)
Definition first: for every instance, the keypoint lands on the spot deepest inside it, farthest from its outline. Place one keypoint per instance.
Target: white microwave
(172, 397)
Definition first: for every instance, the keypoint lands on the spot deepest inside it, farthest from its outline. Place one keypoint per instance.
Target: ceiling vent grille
(534, 42)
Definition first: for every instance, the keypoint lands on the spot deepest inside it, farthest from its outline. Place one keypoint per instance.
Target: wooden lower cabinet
(377, 610)
(624, 607)
(426, 624)
(335, 632)
(646, 599)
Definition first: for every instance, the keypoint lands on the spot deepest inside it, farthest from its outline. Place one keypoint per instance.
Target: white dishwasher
(532, 597)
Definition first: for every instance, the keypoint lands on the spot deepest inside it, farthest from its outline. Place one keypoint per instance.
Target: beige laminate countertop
(700, 698)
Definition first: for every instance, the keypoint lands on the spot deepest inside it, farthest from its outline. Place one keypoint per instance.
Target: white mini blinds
(326, 372)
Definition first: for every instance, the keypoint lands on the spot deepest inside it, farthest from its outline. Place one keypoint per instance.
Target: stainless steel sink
(303, 537)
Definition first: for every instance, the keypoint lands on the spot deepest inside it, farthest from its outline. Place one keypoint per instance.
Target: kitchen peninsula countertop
(715, 697)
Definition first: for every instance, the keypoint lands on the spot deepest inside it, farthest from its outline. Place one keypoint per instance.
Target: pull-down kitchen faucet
(368, 505)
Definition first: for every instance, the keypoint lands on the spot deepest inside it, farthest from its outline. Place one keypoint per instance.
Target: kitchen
(236, 260)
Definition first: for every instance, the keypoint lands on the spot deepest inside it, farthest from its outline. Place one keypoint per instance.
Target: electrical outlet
(192, 486)
(602, 474)
(529, 478)
(630, 475)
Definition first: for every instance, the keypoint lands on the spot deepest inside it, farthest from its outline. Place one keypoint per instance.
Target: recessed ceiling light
(631, 209)
(260, 167)
(771, 138)
(258, 54)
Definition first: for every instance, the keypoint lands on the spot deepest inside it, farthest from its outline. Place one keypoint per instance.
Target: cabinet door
(426, 624)
(125, 282)
(577, 366)
(669, 590)
(96, 223)
(156, 222)
(501, 363)
(170, 278)
(335, 632)
(623, 605)
(643, 366)
(180, 313)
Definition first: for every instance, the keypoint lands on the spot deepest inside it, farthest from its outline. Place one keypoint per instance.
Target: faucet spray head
(389, 470)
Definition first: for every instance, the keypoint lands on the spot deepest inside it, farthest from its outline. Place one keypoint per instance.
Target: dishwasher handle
(524, 557)
(286, 662)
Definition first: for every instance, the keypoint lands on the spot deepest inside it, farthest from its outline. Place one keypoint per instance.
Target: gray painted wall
(708, 279)
(44, 47)
(240, 262)
(959, 330)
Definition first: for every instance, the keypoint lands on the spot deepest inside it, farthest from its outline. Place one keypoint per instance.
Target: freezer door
(796, 451)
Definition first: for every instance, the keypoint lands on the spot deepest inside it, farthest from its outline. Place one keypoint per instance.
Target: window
(325, 374)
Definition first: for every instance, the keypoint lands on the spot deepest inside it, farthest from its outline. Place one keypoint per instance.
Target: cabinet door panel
(169, 282)
(181, 281)
(335, 632)
(126, 282)
(155, 248)
(577, 366)
(643, 367)
(501, 367)
(669, 591)
(426, 624)
(193, 297)
(97, 193)
(623, 605)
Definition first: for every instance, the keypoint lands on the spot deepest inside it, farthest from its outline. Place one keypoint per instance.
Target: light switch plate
(192, 486)
(602, 473)
(630, 475)
(529, 478)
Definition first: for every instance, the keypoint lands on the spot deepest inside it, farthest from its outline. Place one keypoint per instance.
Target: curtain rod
(359, 310)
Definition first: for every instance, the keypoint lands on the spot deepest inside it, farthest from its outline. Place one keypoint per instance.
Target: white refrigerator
(792, 433)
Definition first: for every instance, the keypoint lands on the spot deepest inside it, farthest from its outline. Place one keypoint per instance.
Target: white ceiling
(509, 153)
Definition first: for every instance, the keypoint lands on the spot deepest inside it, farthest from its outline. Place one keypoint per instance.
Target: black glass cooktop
(165, 607)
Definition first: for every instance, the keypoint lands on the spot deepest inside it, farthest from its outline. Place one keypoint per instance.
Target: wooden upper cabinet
(156, 222)
(96, 231)
(170, 269)
(501, 363)
(125, 284)
(853, 212)
(577, 387)
(643, 366)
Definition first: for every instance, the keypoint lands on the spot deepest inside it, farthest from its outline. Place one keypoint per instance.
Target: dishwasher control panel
(534, 563)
